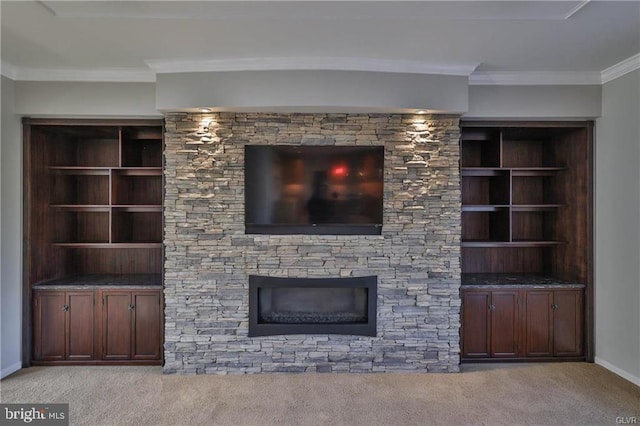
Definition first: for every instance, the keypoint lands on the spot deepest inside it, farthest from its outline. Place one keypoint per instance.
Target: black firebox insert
(312, 305)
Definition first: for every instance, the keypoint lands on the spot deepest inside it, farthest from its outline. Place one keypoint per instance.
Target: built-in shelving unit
(525, 198)
(94, 186)
(526, 204)
(106, 191)
(93, 203)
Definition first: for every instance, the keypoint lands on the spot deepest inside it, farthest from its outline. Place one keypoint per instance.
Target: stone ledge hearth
(208, 256)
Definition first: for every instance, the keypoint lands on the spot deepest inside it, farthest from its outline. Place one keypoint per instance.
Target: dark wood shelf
(107, 207)
(138, 207)
(136, 186)
(482, 171)
(514, 171)
(110, 245)
(516, 243)
(136, 225)
(82, 207)
(513, 207)
(78, 170)
(484, 207)
(138, 171)
(133, 133)
(87, 170)
(536, 171)
(535, 207)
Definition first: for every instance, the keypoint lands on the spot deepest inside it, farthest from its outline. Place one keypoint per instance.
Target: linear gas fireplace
(312, 305)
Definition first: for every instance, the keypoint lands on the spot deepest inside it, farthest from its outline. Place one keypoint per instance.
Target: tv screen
(313, 189)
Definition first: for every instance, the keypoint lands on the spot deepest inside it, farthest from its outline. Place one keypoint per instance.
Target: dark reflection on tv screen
(313, 185)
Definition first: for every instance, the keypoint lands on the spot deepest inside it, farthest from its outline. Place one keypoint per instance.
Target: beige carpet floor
(494, 394)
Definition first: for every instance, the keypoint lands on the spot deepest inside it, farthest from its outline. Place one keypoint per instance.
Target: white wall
(312, 91)
(534, 102)
(11, 232)
(617, 233)
(85, 99)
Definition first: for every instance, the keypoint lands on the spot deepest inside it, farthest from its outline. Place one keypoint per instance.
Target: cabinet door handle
(131, 307)
(492, 307)
(554, 306)
(65, 308)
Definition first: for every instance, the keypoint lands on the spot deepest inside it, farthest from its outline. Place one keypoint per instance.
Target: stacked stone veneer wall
(209, 256)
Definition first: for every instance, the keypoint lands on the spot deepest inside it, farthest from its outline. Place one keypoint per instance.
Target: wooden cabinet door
(131, 324)
(64, 326)
(539, 323)
(505, 323)
(80, 341)
(567, 323)
(475, 323)
(49, 325)
(116, 325)
(147, 325)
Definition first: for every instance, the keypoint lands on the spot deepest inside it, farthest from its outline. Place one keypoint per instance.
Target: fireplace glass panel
(304, 305)
(283, 305)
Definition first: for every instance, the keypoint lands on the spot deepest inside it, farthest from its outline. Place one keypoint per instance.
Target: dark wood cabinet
(491, 323)
(116, 325)
(539, 323)
(568, 319)
(476, 319)
(505, 320)
(64, 324)
(147, 320)
(526, 190)
(131, 324)
(97, 326)
(93, 210)
(554, 323)
(525, 323)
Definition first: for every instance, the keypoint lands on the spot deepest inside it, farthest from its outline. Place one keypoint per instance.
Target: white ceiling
(492, 41)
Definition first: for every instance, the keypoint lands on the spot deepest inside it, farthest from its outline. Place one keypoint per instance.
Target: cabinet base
(522, 360)
(96, 362)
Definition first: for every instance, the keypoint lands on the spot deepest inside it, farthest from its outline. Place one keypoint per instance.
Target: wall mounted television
(333, 190)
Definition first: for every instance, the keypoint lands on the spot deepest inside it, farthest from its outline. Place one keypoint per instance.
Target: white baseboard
(10, 370)
(624, 374)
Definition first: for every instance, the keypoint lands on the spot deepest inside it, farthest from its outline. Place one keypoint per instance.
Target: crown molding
(221, 10)
(534, 78)
(621, 68)
(548, 78)
(476, 78)
(119, 75)
(311, 63)
(577, 8)
(9, 70)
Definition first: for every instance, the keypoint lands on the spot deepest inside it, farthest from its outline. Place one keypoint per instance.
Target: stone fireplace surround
(208, 256)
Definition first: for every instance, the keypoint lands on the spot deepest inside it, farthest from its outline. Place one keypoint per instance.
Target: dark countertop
(95, 281)
(516, 280)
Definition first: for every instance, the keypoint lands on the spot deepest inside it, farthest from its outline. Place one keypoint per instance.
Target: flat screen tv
(335, 190)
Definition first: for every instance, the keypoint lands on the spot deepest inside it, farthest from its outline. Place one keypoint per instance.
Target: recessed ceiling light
(205, 109)
(421, 111)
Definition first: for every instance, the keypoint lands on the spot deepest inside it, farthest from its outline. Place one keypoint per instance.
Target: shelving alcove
(93, 192)
(527, 279)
